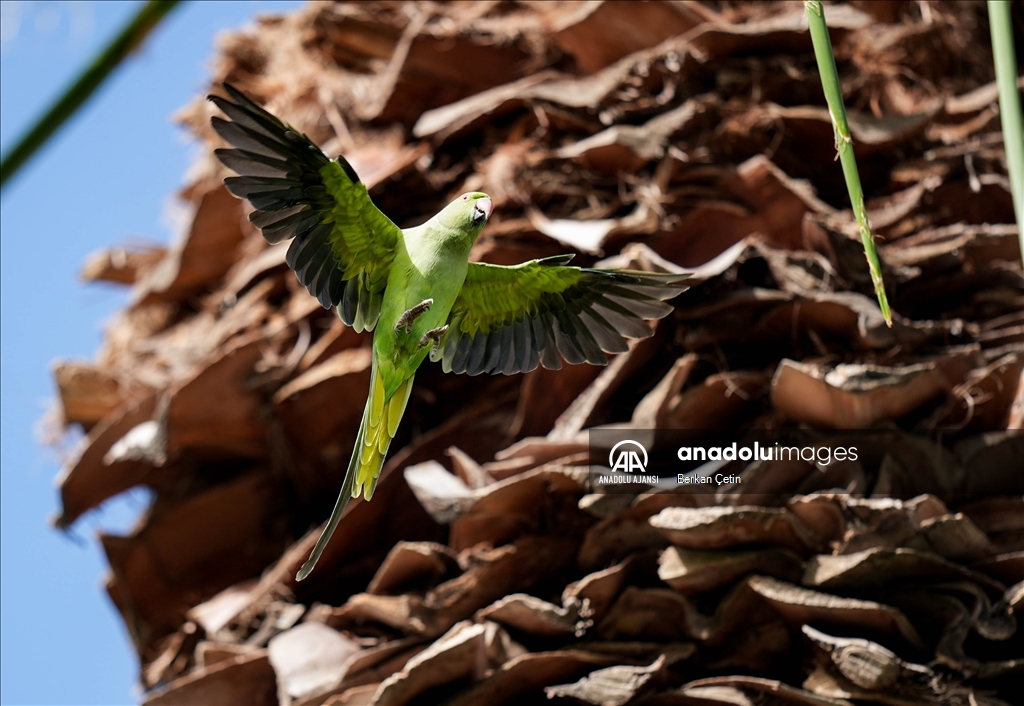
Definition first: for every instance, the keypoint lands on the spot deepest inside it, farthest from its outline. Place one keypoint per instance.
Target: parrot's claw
(434, 335)
(407, 319)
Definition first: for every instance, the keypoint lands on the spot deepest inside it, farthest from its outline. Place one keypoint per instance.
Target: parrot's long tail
(378, 428)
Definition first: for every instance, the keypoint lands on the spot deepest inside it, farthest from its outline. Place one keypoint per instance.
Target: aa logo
(625, 459)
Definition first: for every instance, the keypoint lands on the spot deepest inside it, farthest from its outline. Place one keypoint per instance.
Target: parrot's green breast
(430, 263)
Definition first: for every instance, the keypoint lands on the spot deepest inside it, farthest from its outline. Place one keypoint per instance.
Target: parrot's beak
(482, 209)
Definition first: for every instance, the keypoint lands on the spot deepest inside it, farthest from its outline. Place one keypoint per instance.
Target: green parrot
(415, 287)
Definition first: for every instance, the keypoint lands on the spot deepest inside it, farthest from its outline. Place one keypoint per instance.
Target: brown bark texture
(487, 569)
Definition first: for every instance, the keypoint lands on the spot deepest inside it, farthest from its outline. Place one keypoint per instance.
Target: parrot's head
(468, 213)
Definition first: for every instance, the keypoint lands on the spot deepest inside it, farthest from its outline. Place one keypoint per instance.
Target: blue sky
(106, 178)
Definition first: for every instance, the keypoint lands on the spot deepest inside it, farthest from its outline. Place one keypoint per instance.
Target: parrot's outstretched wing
(343, 245)
(512, 319)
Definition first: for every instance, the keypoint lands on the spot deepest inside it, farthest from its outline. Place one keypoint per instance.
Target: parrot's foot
(434, 335)
(406, 320)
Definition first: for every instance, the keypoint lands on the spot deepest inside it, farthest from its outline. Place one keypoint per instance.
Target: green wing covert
(343, 245)
(512, 319)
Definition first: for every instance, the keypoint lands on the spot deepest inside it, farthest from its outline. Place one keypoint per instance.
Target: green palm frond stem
(130, 37)
(1009, 105)
(844, 142)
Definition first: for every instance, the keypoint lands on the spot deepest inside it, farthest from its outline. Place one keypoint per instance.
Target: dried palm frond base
(657, 135)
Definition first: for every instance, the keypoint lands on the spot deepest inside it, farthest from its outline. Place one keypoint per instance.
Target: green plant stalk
(844, 143)
(130, 37)
(1009, 105)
